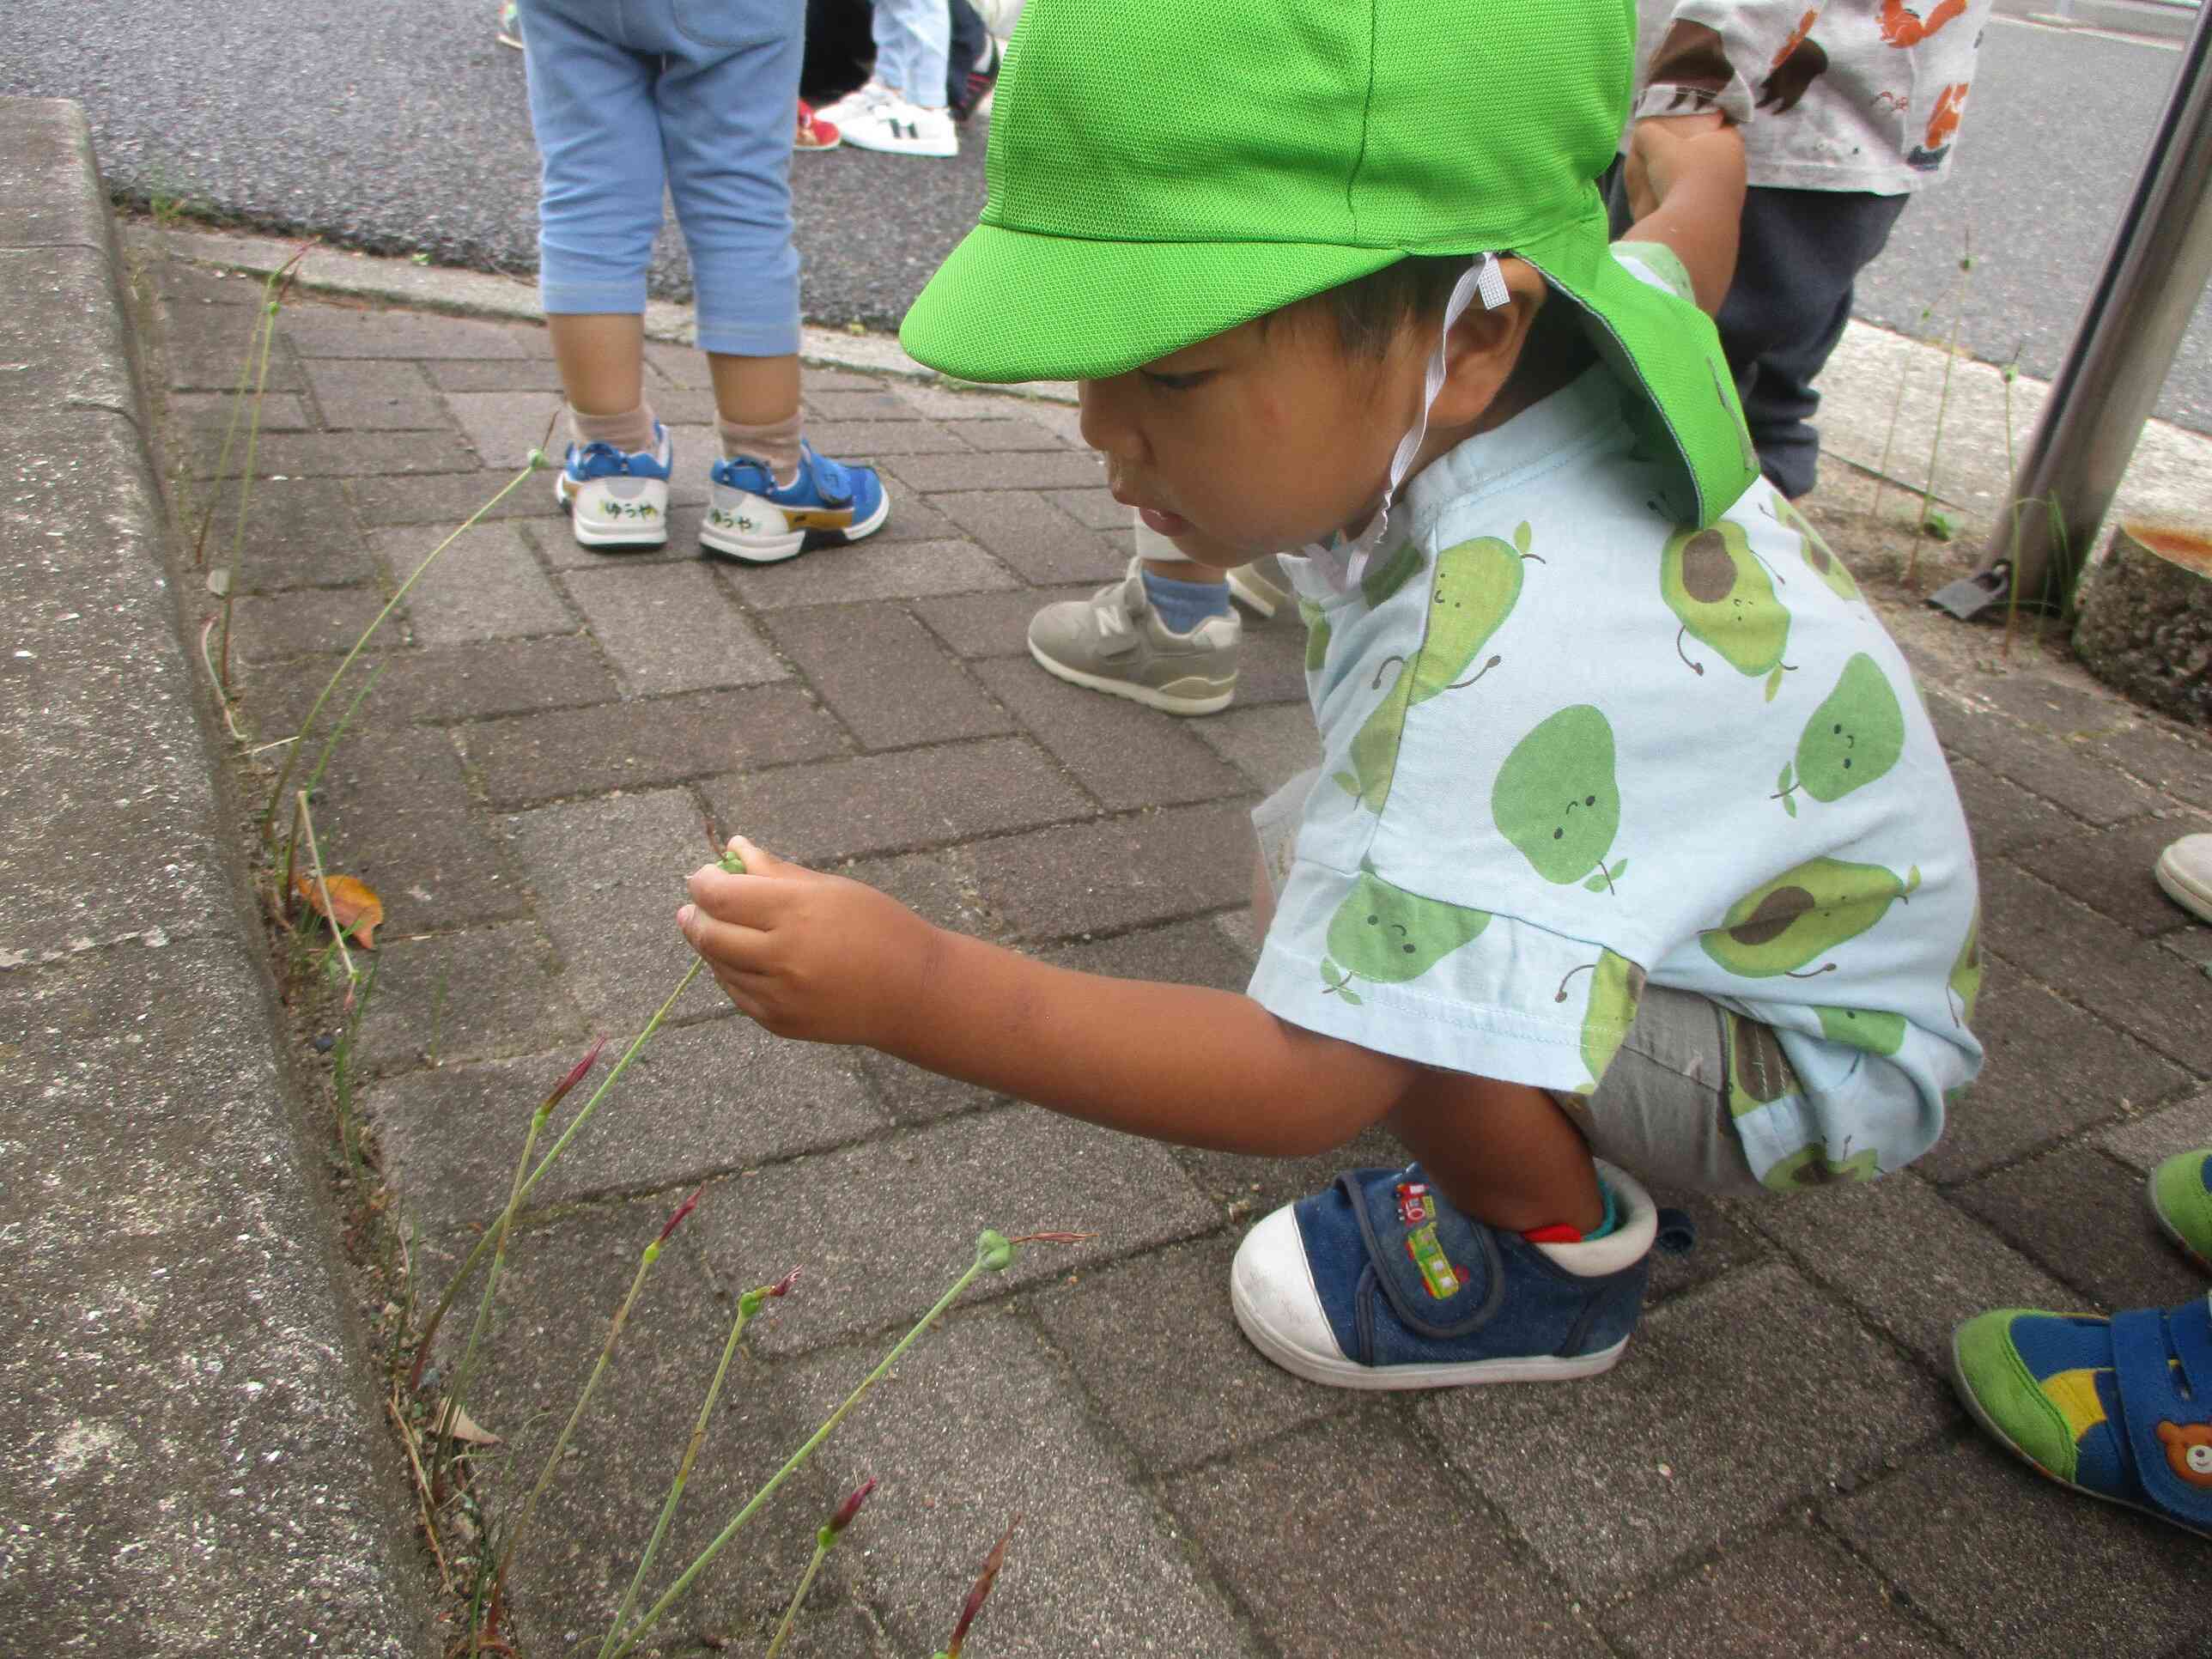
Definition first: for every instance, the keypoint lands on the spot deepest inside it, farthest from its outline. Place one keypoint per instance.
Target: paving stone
(2003, 816)
(1639, 1469)
(864, 441)
(301, 622)
(613, 747)
(2049, 1070)
(977, 1411)
(2010, 1566)
(1271, 666)
(2084, 1217)
(911, 1095)
(1094, 878)
(1343, 1527)
(1243, 1189)
(1035, 538)
(2162, 757)
(329, 332)
(562, 1282)
(2110, 871)
(2058, 771)
(1068, 470)
(939, 886)
(2147, 1142)
(206, 358)
(669, 628)
(505, 374)
(1122, 752)
(991, 625)
(885, 675)
(686, 366)
(1848, 1238)
(184, 286)
(609, 876)
(697, 1101)
(874, 404)
(941, 402)
(445, 499)
(1180, 953)
(2065, 707)
(397, 814)
(378, 396)
(354, 454)
(1095, 510)
(1155, 1344)
(208, 416)
(457, 683)
(299, 532)
(999, 435)
(885, 1226)
(890, 803)
(912, 519)
(486, 585)
(447, 998)
(1270, 745)
(504, 427)
(2114, 973)
(872, 571)
(1726, 1240)
(1793, 1593)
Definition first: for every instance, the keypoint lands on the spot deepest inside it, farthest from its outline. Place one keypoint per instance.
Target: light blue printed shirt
(1569, 746)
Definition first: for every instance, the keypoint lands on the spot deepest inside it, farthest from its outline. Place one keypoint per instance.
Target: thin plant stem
(446, 1301)
(274, 288)
(748, 1305)
(2012, 580)
(798, 1596)
(360, 645)
(651, 1254)
(341, 1083)
(291, 847)
(245, 483)
(330, 910)
(225, 699)
(653, 1614)
(331, 743)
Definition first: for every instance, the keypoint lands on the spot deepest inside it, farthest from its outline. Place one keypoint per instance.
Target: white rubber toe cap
(1271, 1290)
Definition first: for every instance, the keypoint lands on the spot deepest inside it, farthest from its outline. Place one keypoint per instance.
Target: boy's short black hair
(1368, 311)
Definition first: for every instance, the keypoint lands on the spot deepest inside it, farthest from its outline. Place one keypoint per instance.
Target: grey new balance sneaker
(1114, 643)
(1262, 585)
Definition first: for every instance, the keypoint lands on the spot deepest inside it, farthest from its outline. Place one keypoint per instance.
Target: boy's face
(1255, 441)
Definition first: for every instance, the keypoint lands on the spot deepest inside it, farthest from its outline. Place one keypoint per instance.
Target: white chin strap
(1345, 562)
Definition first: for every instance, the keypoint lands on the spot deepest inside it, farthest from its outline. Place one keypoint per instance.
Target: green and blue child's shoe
(2181, 1198)
(2119, 1408)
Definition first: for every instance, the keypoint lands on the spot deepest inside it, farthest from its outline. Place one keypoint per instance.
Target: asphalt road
(400, 128)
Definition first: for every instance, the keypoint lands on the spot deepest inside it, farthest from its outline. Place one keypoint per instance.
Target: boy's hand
(808, 954)
(1665, 149)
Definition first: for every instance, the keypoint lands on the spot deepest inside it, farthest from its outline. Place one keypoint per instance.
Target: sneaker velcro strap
(1439, 1271)
(2162, 1367)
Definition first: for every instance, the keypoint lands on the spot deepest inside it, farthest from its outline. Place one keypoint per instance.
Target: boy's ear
(1484, 345)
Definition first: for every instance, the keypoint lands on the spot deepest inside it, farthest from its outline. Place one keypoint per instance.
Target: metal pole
(2154, 274)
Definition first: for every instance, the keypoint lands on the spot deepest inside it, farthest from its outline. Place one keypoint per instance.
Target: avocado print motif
(1386, 935)
(1871, 1029)
(1816, 552)
(1853, 737)
(1759, 1074)
(1967, 972)
(1811, 1166)
(1317, 622)
(1557, 800)
(1723, 595)
(1477, 584)
(1616, 988)
(1782, 925)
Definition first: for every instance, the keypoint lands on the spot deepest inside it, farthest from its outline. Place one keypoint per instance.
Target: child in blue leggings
(700, 95)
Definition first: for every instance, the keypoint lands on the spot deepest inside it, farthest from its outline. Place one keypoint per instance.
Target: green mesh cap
(1162, 170)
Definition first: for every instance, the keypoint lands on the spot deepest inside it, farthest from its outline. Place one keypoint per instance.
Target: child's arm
(821, 957)
(1685, 175)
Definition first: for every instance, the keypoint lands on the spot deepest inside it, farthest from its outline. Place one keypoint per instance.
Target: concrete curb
(190, 1462)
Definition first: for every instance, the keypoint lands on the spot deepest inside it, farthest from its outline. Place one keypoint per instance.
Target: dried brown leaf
(355, 908)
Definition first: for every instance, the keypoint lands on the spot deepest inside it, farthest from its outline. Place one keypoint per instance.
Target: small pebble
(325, 1043)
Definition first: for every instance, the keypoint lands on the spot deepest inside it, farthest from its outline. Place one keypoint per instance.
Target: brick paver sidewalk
(1778, 1466)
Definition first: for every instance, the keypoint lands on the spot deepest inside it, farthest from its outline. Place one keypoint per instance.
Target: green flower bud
(994, 1251)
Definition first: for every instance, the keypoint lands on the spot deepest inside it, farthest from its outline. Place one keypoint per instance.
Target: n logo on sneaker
(899, 129)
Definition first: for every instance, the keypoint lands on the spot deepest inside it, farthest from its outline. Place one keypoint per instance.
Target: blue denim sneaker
(1378, 1282)
(827, 505)
(617, 500)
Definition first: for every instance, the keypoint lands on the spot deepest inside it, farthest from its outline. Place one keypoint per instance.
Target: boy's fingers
(757, 860)
(722, 943)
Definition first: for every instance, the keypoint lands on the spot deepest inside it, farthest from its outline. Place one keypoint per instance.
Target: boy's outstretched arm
(1685, 175)
(830, 960)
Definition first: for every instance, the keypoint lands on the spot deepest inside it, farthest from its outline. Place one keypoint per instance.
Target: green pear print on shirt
(1966, 971)
(1817, 553)
(1616, 987)
(1870, 1029)
(1317, 622)
(1782, 925)
(1477, 584)
(1759, 1072)
(1811, 1166)
(1853, 737)
(1557, 800)
(1725, 595)
(1387, 935)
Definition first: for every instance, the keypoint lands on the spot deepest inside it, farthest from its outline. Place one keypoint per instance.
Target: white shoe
(903, 129)
(1261, 585)
(2185, 869)
(865, 96)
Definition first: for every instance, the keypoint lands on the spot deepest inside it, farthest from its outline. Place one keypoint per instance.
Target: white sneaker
(903, 129)
(2185, 869)
(865, 96)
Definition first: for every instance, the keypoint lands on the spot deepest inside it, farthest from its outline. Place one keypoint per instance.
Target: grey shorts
(1661, 1111)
